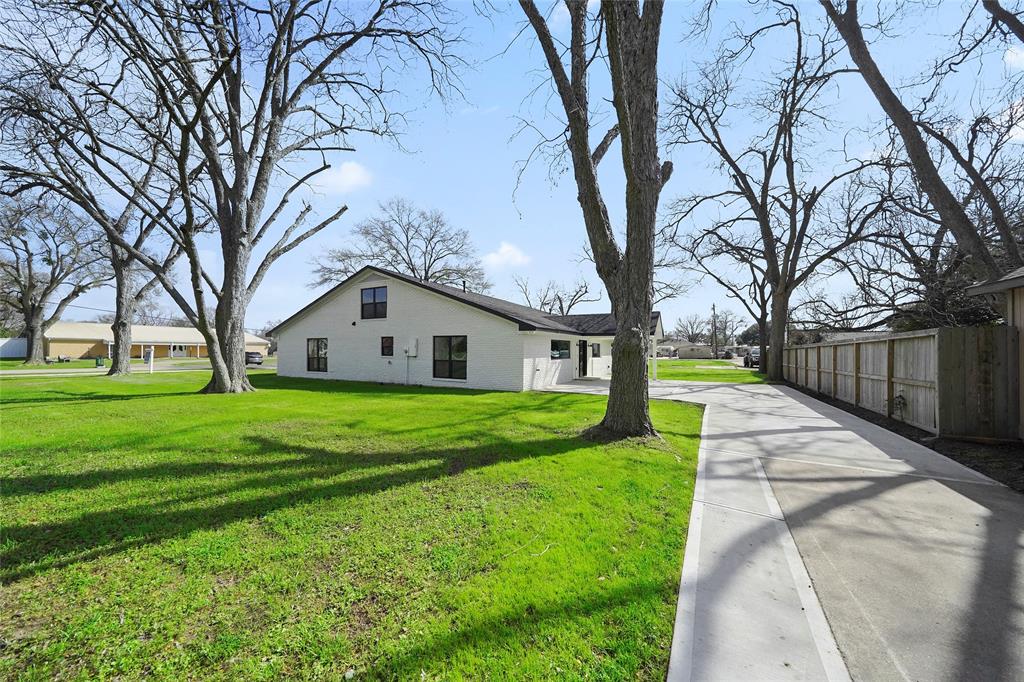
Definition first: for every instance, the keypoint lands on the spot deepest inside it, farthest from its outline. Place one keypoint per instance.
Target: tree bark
(1005, 17)
(124, 310)
(34, 354)
(227, 356)
(632, 36)
(762, 339)
(628, 411)
(228, 360)
(941, 197)
(777, 335)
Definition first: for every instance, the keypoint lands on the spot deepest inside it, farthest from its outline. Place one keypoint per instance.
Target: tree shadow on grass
(492, 632)
(69, 397)
(36, 547)
(14, 486)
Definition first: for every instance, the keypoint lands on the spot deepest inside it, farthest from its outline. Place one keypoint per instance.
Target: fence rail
(950, 381)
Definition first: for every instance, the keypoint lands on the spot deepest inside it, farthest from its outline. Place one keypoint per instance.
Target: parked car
(253, 357)
(753, 358)
(727, 355)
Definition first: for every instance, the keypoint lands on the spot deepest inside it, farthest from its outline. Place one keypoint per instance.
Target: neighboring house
(685, 349)
(387, 327)
(96, 340)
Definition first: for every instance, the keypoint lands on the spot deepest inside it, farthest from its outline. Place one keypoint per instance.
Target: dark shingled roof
(598, 324)
(528, 319)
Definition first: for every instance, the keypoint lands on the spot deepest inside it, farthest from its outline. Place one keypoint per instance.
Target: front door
(583, 359)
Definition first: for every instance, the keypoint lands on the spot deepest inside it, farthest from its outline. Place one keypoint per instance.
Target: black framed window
(374, 303)
(559, 349)
(595, 350)
(387, 346)
(450, 355)
(316, 355)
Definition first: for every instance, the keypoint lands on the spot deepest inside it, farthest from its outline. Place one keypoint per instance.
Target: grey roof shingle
(1010, 280)
(528, 319)
(598, 324)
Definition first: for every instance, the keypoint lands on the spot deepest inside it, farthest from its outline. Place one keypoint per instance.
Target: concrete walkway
(812, 528)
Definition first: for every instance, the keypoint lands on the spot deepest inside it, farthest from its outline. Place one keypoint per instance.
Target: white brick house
(383, 326)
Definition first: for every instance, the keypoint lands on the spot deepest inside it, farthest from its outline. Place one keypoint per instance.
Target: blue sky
(461, 157)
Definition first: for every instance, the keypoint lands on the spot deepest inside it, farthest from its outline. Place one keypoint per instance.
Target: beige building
(96, 340)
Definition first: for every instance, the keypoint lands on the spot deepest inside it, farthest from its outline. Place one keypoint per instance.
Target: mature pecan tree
(630, 40)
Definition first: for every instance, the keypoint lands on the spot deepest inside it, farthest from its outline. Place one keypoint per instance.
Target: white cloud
(344, 179)
(507, 255)
(1014, 57)
(559, 18)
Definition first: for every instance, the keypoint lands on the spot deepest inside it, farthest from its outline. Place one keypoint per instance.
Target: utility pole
(714, 332)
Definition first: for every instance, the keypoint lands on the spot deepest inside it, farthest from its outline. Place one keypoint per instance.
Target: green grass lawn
(692, 370)
(314, 527)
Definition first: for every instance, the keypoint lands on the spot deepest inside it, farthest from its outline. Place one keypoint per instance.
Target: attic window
(374, 303)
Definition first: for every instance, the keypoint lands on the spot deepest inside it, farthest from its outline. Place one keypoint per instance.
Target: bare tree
(728, 325)
(744, 279)
(409, 240)
(782, 216)
(243, 105)
(693, 328)
(48, 258)
(1005, 18)
(629, 33)
(555, 298)
(35, 120)
(147, 310)
(912, 275)
(951, 211)
(666, 284)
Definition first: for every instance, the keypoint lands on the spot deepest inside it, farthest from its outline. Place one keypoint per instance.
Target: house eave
(995, 287)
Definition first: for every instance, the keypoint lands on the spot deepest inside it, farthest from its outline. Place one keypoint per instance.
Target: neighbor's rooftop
(141, 333)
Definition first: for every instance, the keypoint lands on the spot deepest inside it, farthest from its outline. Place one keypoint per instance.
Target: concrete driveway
(813, 529)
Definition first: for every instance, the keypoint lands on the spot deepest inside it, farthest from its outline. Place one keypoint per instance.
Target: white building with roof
(96, 340)
(386, 327)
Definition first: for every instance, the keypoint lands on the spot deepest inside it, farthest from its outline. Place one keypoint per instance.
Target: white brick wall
(540, 371)
(495, 347)
(602, 367)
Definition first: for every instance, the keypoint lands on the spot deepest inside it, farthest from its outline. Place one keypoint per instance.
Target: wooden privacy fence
(960, 381)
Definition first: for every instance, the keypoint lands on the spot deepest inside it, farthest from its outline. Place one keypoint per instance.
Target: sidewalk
(916, 561)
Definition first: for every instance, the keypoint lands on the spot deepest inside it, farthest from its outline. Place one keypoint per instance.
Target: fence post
(856, 373)
(817, 367)
(890, 354)
(835, 356)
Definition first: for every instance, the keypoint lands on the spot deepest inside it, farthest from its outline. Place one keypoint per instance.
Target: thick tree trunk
(1004, 16)
(777, 335)
(942, 199)
(762, 338)
(632, 42)
(34, 354)
(124, 310)
(628, 413)
(228, 360)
